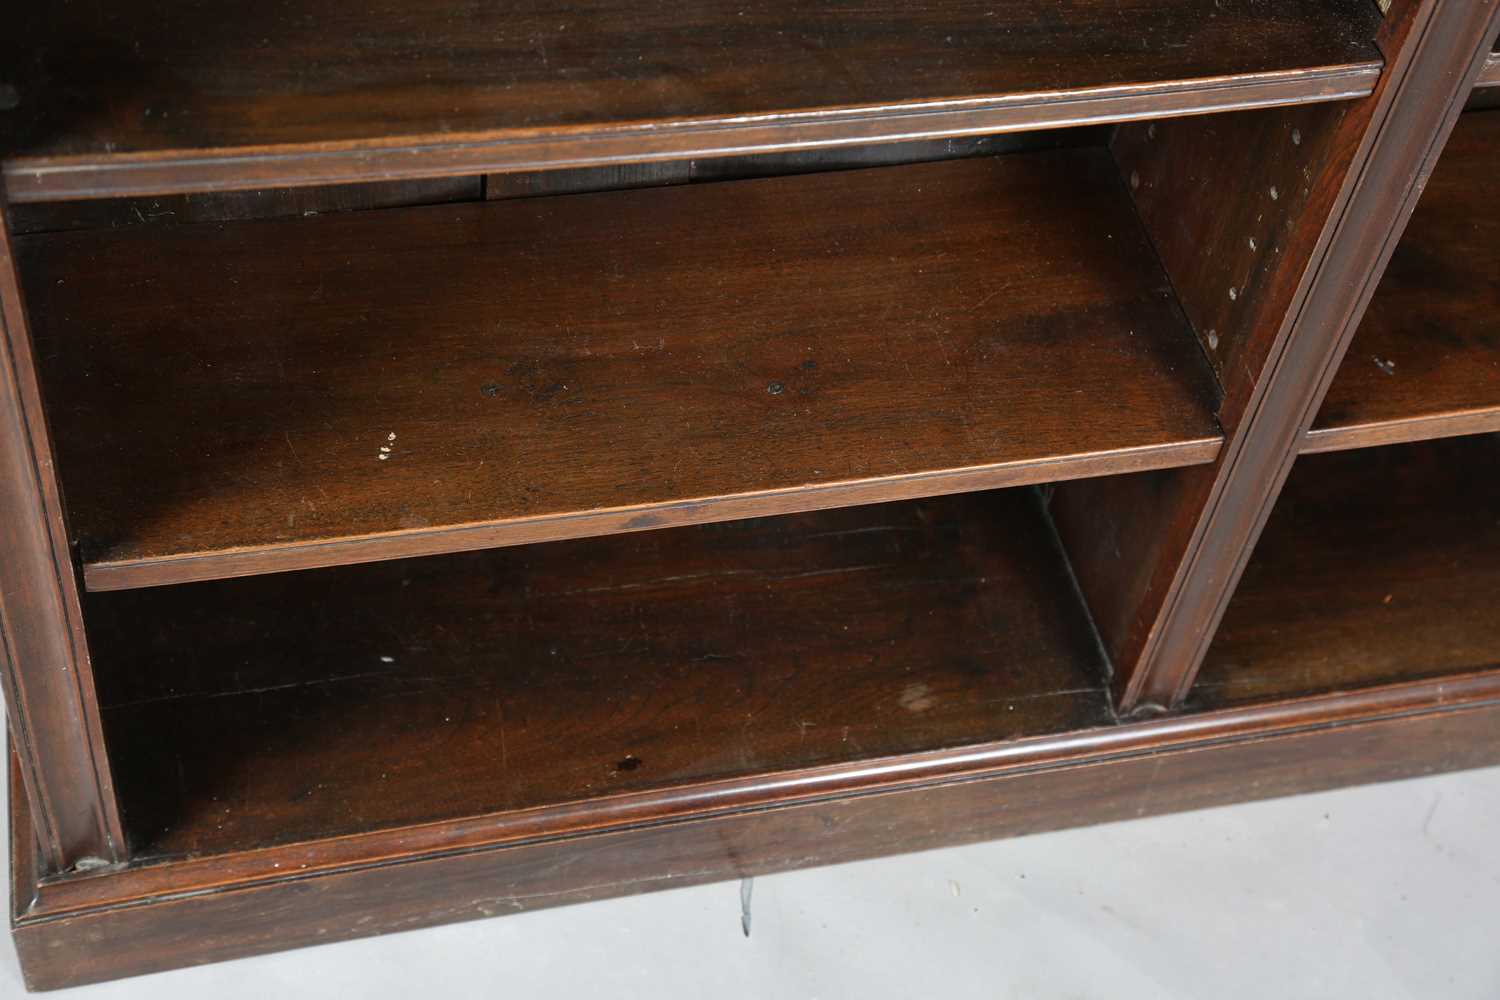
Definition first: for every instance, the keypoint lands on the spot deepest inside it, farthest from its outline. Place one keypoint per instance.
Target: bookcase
(462, 458)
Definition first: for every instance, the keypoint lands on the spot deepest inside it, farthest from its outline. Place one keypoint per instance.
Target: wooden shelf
(1378, 565)
(415, 381)
(1426, 360)
(262, 711)
(173, 96)
(1490, 75)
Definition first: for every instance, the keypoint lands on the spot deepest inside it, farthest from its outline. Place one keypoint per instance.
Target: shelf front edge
(1489, 76)
(1401, 431)
(198, 567)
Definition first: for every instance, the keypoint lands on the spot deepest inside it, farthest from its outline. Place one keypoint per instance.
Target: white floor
(1384, 891)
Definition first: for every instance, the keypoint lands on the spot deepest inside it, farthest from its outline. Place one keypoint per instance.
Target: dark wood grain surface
(1426, 360)
(174, 95)
(1378, 565)
(415, 381)
(276, 709)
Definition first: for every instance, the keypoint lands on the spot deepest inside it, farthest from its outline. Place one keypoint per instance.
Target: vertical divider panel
(1273, 227)
(49, 684)
(1236, 206)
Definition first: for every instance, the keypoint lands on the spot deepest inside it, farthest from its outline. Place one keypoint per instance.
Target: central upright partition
(476, 460)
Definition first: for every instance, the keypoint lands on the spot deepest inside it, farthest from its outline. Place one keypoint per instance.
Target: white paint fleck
(387, 659)
(1213, 340)
(1135, 179)
(1274, 193)
(1233, 295)
(1296, 137)
(382, 456)
(391, 436)
(917, 698)
(1252, 243)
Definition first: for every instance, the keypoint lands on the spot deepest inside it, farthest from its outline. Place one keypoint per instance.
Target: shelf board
(559, 367)
(170, 96)
(254, 712)
(1489, 76)
(1377, 566)
(1425, 362)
